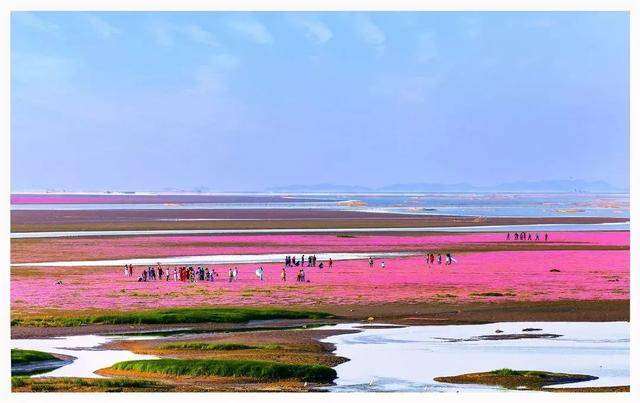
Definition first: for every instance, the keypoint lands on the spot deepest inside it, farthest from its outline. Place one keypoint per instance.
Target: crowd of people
(526, 236)
(291, 261)
(204, 274)
(183, 273)
(430, 259)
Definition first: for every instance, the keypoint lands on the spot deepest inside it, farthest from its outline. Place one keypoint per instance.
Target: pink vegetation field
(540, 275)
(97, 248)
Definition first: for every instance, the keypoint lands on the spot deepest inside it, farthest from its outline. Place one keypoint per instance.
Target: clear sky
(246, 101)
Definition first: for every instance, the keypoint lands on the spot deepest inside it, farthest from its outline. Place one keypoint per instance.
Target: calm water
(407, 359)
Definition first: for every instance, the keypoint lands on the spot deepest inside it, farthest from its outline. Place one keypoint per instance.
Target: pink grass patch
(510, 275)
(99, 248)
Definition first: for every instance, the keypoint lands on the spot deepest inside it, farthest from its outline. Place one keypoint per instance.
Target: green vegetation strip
(24, 356)
(173, 316)
(262, 370)
(216, 346)
(70, 384)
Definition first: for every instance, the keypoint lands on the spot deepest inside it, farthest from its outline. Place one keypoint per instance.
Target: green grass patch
(85, 384)
(513, 372)
(262, 370)
(175, 315)
(19, 356)
(18, 381)
(217, 346)
(505, 372)
(117, 383)
(345, 236)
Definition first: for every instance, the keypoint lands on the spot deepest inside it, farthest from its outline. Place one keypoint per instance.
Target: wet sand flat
(105, 220)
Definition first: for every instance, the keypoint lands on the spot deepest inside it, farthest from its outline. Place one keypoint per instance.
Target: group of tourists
(526, 236)
(128, 270)
(301, 277)
(448, 258)
(291, 261)
(431, 259)
(183, 273)
(204, 274)
(233, 274)
(371, 263)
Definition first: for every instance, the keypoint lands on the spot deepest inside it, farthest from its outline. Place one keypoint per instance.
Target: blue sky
(246, 101)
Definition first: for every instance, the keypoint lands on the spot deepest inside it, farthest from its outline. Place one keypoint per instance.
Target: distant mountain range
(537, 186)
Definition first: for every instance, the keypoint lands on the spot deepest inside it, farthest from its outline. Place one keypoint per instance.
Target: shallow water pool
(408, 358)
(87, 349)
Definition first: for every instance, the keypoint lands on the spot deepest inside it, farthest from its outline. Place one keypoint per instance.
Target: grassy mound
(173, 316)
(19, 356)
(216, 346)
(261, 370)
(515, 379)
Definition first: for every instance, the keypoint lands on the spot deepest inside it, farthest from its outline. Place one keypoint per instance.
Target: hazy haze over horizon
(252, 101)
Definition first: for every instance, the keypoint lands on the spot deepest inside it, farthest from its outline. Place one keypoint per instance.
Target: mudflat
(70, 198)
(95, 220)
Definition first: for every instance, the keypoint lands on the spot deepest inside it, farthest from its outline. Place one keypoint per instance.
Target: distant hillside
(430, 187)
(320, 187)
